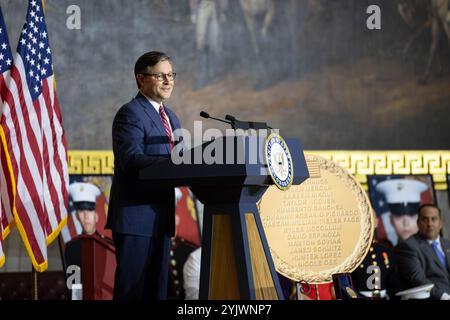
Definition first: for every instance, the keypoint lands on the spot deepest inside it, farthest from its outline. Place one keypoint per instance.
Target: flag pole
(34, 283)
(64, 265)
(61, 253)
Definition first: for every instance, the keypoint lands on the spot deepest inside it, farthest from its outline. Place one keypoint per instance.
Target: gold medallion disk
(321, 227)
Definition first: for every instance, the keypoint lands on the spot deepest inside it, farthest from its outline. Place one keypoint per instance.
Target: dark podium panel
(236, 261)
(98, 265)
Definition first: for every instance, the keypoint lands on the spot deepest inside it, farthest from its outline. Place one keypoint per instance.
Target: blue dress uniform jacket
(381, 282)
(141, 215)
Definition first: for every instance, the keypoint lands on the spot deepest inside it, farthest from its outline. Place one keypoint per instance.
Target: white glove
(445, 296)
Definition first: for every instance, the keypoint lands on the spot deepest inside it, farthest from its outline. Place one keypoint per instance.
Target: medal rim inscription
(363, 244)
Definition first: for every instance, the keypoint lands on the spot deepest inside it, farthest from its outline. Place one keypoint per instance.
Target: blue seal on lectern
(279, 161)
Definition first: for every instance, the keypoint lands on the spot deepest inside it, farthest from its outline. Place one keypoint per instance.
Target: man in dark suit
(424, 258)
(142, 216)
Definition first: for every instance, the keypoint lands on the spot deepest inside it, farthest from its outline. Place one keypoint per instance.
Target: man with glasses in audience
(142, 216)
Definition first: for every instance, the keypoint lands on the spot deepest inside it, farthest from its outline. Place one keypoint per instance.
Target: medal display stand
(236, 261)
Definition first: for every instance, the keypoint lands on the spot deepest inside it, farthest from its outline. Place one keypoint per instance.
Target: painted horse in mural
(432, 14)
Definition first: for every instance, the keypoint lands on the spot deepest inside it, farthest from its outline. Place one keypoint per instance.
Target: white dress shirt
(156, 105)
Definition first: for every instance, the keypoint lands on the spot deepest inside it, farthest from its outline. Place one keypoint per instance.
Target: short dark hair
(148, 59)
(430, 205)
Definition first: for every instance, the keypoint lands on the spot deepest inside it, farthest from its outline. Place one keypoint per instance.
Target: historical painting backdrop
(309, 67)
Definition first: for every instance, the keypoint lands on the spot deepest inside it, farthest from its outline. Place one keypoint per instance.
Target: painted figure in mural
(425, 257)
(290, 20)
(259, 16)
(142, 215)
(403, 197)
(420, 16)
(253, 10)
(209, 18)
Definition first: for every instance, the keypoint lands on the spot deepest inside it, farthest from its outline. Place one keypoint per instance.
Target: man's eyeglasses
(161, 76)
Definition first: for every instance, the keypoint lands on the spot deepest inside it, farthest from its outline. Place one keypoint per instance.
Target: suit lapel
(153, 115)
(430, 252)
(446, 247)
(173, 121)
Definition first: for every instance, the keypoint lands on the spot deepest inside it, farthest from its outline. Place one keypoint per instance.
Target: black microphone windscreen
(204, 114)
(230, 118)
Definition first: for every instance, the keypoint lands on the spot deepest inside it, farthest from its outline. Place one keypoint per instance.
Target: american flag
(6, 217)
(35, 140)
(72, 228)
(378, 200)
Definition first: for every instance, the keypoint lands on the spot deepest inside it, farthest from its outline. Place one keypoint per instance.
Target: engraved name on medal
(321, 227)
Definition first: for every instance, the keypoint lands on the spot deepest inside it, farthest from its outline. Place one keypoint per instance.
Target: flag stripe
(30, 215)
(53, 174)
(29, 117)
(61, 158)
(28, 225)
(6, 190)
(72, 226)
(6, 186)
(25, 153)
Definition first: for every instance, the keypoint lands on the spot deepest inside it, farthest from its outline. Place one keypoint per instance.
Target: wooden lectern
(236, 260)
(98, 265)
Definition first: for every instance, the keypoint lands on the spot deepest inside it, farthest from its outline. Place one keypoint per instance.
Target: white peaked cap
(401, 190)
(83, 192)
(422, 292)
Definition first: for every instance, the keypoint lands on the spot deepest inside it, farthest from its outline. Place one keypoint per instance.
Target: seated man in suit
(424, 258)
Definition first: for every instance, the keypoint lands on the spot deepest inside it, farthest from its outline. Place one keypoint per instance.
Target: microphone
(206, 115)
(246, 124)
(230, 118)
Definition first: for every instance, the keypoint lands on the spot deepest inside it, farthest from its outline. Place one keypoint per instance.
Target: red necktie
(162, 114)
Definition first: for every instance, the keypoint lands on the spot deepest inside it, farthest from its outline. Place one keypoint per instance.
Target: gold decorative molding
(363, 163)
(358, 163)
(91, 162)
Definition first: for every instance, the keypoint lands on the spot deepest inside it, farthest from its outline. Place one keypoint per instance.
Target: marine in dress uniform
(375, 277)
(84, 196)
